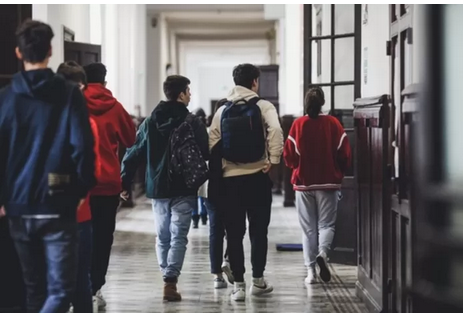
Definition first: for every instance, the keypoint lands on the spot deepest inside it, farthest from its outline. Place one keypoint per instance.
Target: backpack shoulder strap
(254, 100)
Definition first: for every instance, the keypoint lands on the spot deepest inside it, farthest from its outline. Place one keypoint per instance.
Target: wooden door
(12, 293)
(371, 120)
(268, 84)
(402, 109)
(82, 53)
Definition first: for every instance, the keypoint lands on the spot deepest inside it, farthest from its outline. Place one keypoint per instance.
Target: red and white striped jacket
(319, 153)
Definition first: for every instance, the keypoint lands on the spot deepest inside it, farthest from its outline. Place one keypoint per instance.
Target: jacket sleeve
(126, 128)
(202, 137)
(274, 132)
(98, 164)
(291, 152)
(215, 133)
(82, 143)
(343, 150)
(134, 156)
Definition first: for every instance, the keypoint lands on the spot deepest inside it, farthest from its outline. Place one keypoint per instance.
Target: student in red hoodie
(115, 128)
(318, 151)
(82, 301)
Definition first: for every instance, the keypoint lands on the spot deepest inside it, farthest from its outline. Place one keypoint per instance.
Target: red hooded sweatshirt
(319, 153)
(115, 127)
(84, 211)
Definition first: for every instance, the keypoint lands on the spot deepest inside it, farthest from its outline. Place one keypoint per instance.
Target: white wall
(291, 61)
(374, 37)
(74, 16)
(209, 66)
(120, 29)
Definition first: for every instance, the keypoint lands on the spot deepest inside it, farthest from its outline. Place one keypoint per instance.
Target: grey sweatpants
(317, 211)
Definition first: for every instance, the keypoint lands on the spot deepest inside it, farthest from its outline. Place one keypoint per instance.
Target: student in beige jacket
(247, 188)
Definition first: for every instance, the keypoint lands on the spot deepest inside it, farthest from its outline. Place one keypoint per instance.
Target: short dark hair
(73, 71)
(313, 102)
(174, 85)
(34, 40)
(96, 73)
(245, 74)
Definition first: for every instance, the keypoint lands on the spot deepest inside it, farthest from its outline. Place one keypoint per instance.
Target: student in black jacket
(46, 170)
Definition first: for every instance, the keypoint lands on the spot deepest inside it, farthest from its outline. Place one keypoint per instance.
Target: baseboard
(371, 305)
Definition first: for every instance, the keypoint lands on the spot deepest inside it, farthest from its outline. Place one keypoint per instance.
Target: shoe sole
(324, 271)
(229, 274)
(220, 286)
(261, 292)
(238, 300)
(167, 299)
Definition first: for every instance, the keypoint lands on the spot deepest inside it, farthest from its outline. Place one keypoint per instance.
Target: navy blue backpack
(243, 131)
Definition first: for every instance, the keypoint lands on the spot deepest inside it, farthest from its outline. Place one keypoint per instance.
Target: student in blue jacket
(46, 170)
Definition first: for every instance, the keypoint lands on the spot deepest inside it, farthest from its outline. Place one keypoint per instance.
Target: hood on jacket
(99, 99)
(240, 92)
(168, 115)
(41, 84)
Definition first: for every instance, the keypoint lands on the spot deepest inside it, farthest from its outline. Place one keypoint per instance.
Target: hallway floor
(134, 283)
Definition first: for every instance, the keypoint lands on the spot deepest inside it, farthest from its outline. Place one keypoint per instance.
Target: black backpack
(243, 131)
(186, 158)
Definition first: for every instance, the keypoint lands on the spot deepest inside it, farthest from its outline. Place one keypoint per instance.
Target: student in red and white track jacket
(318, 151)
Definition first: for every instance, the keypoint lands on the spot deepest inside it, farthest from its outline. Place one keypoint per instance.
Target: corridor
(134, 282)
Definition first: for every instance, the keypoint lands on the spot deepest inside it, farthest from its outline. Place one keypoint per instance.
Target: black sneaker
(323, 267)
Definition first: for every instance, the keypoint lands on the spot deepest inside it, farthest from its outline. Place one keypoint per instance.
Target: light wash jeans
(172, 222)
(317, 211)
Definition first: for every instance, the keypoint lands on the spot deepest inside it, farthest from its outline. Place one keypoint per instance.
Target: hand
(81, 203)
(268, 167)
(124, 195)
(2, 212)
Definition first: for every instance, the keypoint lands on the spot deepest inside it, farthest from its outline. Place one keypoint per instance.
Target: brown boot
(170, 293)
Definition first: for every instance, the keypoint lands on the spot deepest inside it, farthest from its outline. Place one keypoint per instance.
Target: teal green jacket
(152, 140)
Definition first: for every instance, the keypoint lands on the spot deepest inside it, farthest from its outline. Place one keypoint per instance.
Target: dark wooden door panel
(82, 53)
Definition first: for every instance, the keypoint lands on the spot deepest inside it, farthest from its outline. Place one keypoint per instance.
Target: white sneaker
(95, 306)
(220, 283)
(99, 300)
(239, 293)
(311, 277)
(260, 287)
(227, 270)
(324, 271)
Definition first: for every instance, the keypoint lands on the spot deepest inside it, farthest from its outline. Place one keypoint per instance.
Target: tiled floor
(134, 283)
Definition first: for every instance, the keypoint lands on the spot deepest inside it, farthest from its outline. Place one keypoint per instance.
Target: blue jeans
(82, 302)
(172, 222)
(48, 253)
(216, 236)
(201, 203)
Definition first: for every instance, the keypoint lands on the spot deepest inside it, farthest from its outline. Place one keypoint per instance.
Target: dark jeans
(251, 196)
(201, 206)
(48, 253)
(104, 210)
(82, 302)
(217, 233)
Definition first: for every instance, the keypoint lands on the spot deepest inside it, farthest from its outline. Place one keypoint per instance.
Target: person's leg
(61, 249)
(327, 204)
(104, 210)
(203, 210)
(82, 302)
(32, 259)
(217, 233)
(259, 205)
(306, 206)
(234, 217)
(181, 209)
(162, 218)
